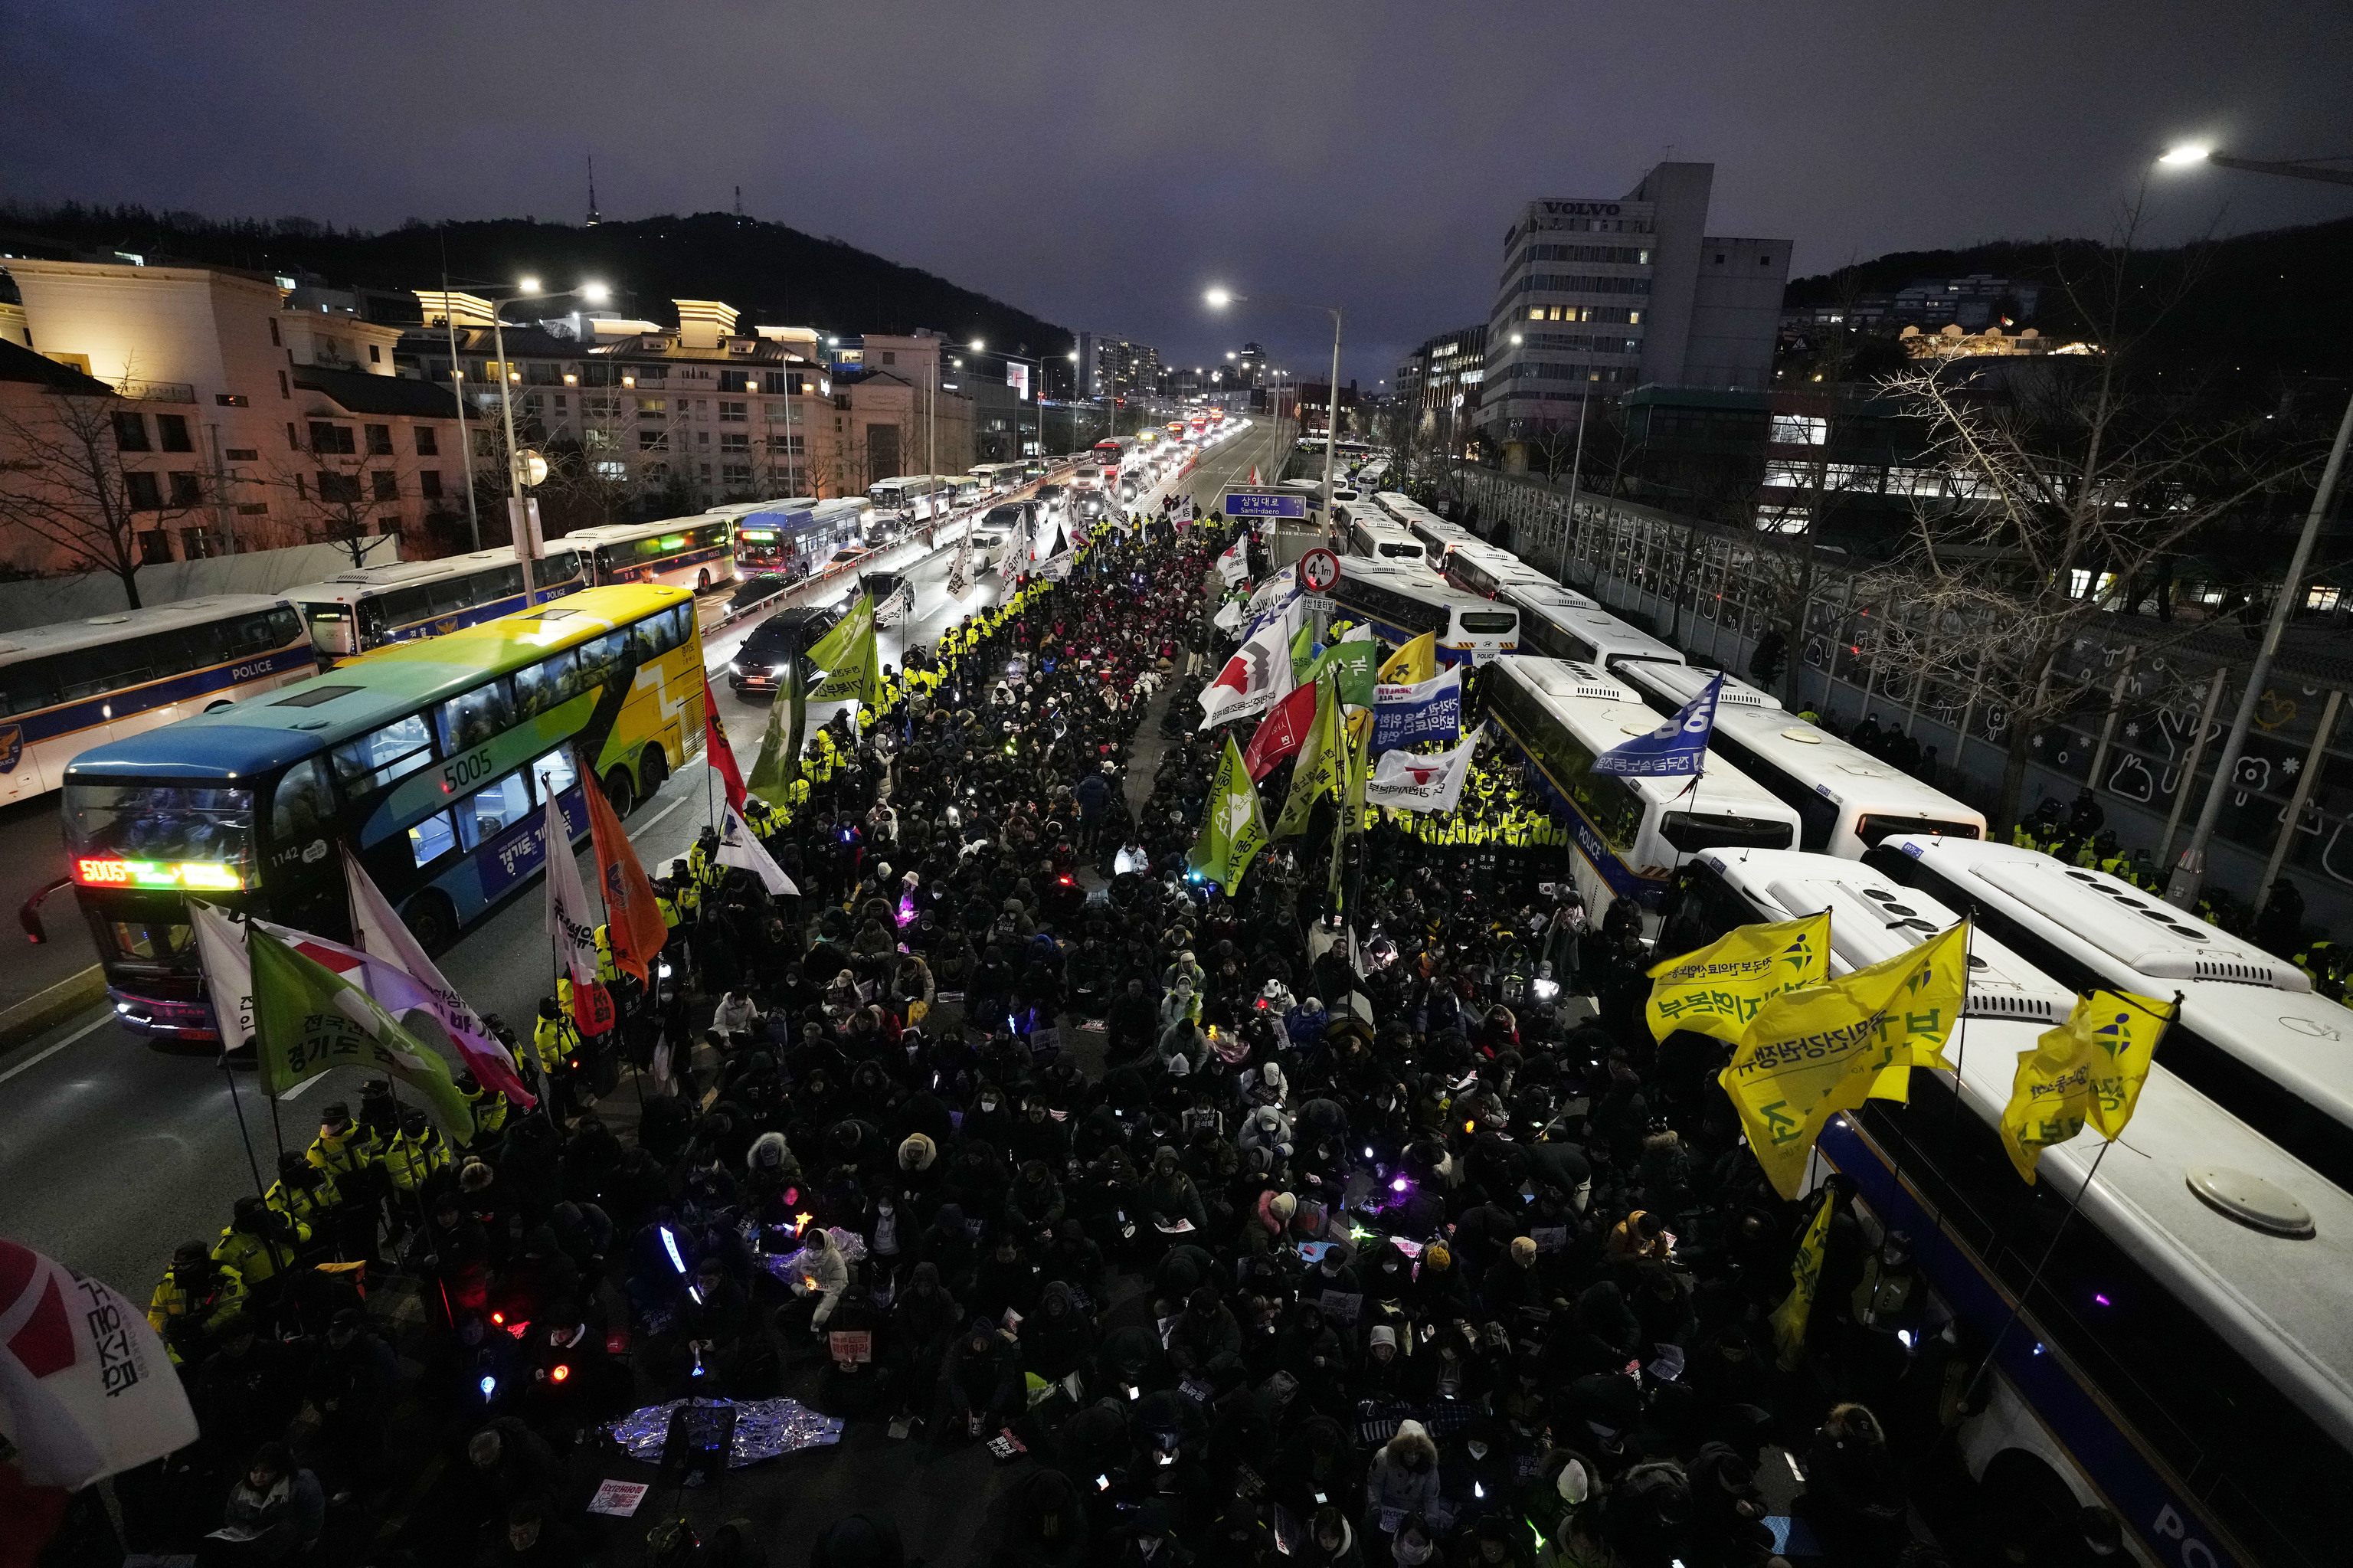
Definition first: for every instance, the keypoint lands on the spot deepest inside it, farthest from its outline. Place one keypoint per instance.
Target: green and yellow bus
(432, 759)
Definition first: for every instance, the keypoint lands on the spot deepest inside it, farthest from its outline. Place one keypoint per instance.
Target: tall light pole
(1220, 298)
(518, 507)
(2190, 875)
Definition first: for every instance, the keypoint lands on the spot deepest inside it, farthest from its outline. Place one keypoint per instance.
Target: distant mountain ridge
(774, 275)
(2273, 302)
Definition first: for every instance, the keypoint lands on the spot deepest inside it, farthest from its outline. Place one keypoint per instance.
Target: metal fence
(1711, 591)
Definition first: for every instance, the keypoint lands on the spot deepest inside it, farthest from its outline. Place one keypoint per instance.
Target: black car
(759, 664)
(759, 586)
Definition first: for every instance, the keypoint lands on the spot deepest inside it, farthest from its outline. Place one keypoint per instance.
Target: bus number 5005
(471, 768)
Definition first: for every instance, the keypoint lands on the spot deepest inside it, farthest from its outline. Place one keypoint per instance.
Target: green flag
(308, 1019)
(852, 672)
(1303, 652)
(779, 762)
(1355, 758)
(1317, 771)
(1233, 829)
(1354, 661)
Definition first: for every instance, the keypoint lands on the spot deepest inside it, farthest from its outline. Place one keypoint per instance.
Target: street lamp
(519, 463)
(2190, 874)
(1219, 297)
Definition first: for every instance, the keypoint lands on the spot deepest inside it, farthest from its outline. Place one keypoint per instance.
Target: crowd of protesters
(1388, 1239)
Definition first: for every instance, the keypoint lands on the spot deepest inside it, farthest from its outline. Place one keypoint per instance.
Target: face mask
(1413, 1551)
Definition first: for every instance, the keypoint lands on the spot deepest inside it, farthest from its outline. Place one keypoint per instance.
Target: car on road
(988, 551)
(754, 589)
(843, 557)
(1053, 497)
(759, 663)
(893, 595)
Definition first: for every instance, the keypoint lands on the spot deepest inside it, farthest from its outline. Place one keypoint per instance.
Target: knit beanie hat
(1523, 1250)
(917, 1152)
(1283, 1206)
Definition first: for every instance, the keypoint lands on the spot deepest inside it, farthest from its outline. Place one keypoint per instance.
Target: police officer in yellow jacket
(260, 1245)
(413, 1155)
(304, 1195)
(196, 1296)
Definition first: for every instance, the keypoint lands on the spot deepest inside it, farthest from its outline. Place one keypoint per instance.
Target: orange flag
(637, 928)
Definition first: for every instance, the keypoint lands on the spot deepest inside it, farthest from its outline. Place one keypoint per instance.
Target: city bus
(2182, 1358)
(429, 759)
(1630, 832)
(67, 687)
(997, 478)
(357, 610)
(1373, 534)
(1847, 799)
(697, 553)
(1556, 621)
(1402, 602)
(908, 495)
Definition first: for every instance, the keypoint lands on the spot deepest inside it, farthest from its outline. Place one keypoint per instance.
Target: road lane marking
(31, 1062)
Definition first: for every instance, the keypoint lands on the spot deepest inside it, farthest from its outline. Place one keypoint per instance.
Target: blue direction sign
(1262, 503)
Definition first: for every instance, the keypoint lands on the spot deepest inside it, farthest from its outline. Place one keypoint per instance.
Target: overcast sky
(1101, 164)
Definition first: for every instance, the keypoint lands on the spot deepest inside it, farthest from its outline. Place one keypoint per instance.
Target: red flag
(1280, 732)
(722, 755)
(634, 921)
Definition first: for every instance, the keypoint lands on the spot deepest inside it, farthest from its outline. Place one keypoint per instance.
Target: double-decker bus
(67, 687)
(357, 611)
(430, 758)
(2180, 1354)
(1401, 601)
(1630, 832)
(695, 552)
(1197, 425)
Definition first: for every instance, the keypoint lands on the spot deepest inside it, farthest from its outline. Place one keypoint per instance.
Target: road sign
(1262, 504)
(1317, 570)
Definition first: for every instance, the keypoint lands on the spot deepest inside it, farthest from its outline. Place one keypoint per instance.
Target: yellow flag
(1718, 989)
(1824, 1049)
(1788, 1318)
(1413, 663)
(2089, 1069)
(1321, 767)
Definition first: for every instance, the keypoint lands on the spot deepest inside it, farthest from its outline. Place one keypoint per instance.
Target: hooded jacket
(1404, 1474)
(821, 1271)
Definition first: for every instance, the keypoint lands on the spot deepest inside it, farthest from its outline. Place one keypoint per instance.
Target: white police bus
(2185, 1360)
(1401, 601)
(368, 607)
(1630, 832)
(1848, 798)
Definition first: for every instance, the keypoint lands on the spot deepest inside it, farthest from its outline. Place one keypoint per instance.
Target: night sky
(1101, 164)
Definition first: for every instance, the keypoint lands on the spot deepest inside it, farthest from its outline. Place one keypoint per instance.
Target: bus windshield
(160, 835)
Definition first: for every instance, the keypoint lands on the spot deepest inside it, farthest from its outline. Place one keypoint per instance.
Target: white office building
(1600, 295)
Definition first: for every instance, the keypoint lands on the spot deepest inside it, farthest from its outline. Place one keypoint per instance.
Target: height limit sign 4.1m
(1318, 573)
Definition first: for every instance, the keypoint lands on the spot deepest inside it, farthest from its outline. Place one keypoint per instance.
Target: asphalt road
(113, 1150)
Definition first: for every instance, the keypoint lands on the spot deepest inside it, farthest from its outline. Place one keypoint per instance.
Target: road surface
(113, 1148)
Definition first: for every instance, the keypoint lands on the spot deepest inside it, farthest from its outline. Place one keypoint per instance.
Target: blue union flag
(1676, 748)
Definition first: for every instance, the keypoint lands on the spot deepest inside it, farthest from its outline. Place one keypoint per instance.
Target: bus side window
(431, 839)
(546, 684)
(471, 720)
(555, 773)
(383, 755)
(491, 807)
(599, 657)
(303, 805)
(27, 684)
(682, 625)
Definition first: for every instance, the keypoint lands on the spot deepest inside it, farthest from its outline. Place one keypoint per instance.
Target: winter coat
(1393, 1481)
(821, 1271)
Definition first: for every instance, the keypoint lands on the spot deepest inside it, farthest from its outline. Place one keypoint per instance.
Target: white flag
(1254, 679)
(86, 1390)
(1234, 564)
(738, 845)
(1229, 617)
(378, 931)
(570, 922)
(228, 977)
(1410, 781)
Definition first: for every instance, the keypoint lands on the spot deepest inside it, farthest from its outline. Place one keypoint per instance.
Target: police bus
(911, 496)
(2183, 1357)
(1373, 533)
(1630, 832)
(431, 760)
(1848, 798)
(695, 552)
(997, 478)
(1439, 537)
(357, 610)
(74, 684)
(1401, 601)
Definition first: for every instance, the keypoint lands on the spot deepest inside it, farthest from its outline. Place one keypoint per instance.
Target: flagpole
(2019, 1305)
(237, 1106)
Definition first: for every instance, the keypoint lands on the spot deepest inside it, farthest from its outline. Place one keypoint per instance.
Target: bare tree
(2059, 497)
(63, 483)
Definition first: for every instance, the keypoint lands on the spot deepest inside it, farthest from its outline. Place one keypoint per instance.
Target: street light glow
(2188, 153)
(594, 294)
(528, 285)
(977, 346)
(1218, 299)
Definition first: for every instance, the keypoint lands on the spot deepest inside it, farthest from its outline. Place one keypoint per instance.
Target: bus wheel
(702, 580)
(651, 772)
(618, 792)
(432, 921)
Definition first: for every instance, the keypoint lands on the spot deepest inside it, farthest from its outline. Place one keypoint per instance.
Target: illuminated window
(1799, 429)
(2320, 598)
